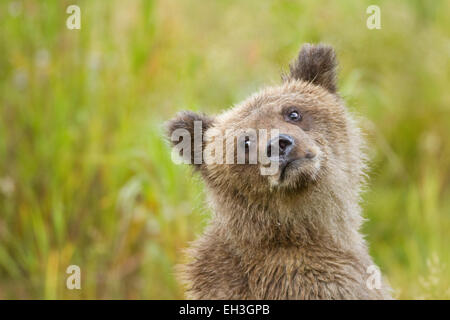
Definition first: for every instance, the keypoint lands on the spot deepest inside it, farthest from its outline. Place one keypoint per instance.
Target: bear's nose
(283, 143)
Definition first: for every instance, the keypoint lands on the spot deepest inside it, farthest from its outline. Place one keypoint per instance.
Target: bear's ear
(316, 64)
(186, 134)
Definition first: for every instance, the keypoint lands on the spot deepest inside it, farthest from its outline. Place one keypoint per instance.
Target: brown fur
(296, 238)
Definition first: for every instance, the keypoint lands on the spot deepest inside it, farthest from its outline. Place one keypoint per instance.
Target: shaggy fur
(294, 236)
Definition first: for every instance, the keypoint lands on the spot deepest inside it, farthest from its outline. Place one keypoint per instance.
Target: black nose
(283, 142)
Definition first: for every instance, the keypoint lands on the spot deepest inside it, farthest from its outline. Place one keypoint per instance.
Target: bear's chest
(313, 273)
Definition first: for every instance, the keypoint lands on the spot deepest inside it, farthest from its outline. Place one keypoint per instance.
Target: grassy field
(86, 178)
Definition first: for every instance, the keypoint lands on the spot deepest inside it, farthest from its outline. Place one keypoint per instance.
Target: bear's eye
(247, 143)
(294, 115)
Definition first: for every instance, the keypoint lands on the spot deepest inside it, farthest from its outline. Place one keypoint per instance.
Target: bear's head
(281, 140)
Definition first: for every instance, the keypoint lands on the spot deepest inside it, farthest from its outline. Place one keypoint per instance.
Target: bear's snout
(285, 148)
(281, 146)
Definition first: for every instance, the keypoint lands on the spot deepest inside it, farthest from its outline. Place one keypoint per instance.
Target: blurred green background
(87, 179)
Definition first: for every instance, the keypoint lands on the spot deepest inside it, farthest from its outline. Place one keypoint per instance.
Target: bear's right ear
(316, 64)
(186, 133)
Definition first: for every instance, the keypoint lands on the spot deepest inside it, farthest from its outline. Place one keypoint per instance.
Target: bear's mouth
(288, 165)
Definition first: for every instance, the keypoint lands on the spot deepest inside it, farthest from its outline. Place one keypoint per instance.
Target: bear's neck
(315, 216)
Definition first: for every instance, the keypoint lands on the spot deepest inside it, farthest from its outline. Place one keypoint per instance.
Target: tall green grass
(86, 177)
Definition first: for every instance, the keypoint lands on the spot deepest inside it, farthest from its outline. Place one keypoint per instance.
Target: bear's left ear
(316, 64)
(186, 133)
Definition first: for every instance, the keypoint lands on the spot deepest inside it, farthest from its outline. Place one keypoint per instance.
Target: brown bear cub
(292, 233)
